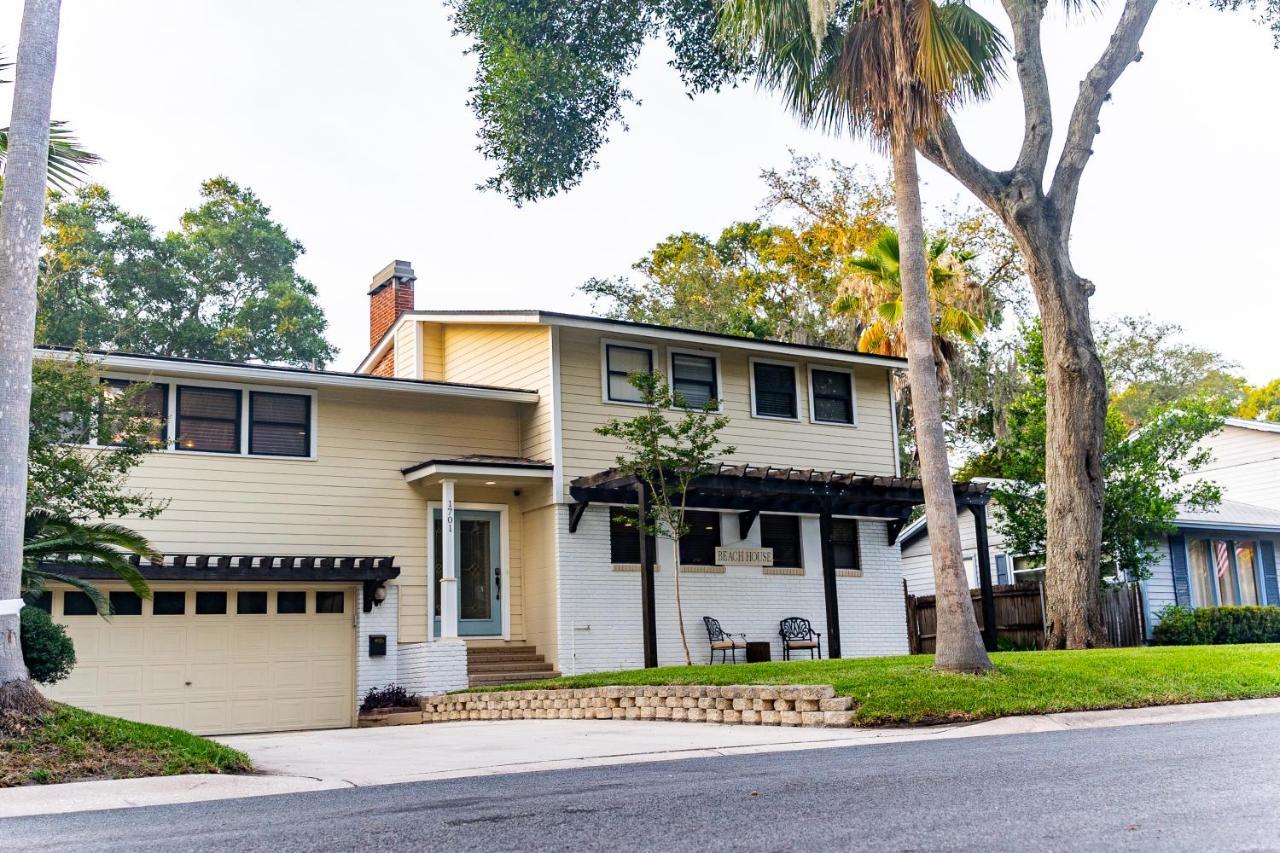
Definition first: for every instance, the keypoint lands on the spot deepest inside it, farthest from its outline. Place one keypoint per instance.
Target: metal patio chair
(722, 641)
(798, 634)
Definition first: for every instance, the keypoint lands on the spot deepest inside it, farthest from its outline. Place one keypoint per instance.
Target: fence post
(913, 627)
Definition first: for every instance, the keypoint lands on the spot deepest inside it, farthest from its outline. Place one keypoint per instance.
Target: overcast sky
(349, 119)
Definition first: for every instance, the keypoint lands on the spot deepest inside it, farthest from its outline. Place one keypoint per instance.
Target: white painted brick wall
(599, 609)
(433, 667)
(379, 671)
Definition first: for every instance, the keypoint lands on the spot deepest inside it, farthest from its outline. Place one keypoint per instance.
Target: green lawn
(71, 744)
(904, 690)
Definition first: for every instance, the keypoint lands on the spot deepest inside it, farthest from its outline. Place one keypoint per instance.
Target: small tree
(669, 445)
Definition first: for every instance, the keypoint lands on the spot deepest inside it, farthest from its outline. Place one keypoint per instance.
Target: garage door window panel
(77, 604)
(290, 602)
(125, 603)
(330, 601)
(211, 603)
(168, 603)
(251, 603)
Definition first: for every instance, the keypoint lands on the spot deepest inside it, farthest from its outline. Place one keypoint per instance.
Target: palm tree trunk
(21, 218)
(959, 645)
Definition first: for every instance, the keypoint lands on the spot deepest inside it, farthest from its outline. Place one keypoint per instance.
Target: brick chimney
(390, 295)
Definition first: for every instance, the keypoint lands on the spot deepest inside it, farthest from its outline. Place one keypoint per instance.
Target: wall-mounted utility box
(377, 645)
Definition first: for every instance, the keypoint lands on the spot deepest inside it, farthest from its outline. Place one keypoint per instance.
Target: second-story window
(621, 363)
(773, 390)
(832, 396)
(151, 403)
(279, 424)
(693, 378)
(208, 419)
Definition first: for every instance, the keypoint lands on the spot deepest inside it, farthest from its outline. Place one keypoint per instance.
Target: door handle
(497, 581)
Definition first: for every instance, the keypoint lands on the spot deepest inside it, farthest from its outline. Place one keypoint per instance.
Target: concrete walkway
(318, 760)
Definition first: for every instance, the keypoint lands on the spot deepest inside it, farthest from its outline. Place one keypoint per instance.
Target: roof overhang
(627, 327)
(1227, 526)
(482, 471)
(293, 377)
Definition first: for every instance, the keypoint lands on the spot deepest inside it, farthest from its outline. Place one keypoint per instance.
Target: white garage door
(216, 659)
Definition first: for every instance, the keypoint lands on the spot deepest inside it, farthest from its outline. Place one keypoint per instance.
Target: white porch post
(449, 574)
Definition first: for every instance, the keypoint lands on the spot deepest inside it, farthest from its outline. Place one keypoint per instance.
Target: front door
(477, 562)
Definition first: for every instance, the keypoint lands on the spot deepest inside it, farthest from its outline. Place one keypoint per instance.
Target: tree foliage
(1261, 403)
(47, 650)
(668, 446)
(1146, 471)
(51, 545)
(223, 286)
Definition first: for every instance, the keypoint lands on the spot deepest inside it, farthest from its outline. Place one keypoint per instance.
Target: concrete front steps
(490, 665)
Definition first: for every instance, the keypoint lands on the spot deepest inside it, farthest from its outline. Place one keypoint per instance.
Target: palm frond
(68, 161)
(32, 577)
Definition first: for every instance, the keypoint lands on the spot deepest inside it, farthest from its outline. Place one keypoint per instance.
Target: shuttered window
(782, 534)
(698, 544)
(774, 390)
(208, 419)
(279, 424)
(832, 396)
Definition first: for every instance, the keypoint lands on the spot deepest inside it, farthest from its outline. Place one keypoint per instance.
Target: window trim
(1259, 584)
(813, 396)
(605, 343)
(309, 452)
(718, 380)
(795, 372)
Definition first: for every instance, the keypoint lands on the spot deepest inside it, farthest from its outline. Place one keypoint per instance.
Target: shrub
(1202, 626)
(46, 648)
(391, 696)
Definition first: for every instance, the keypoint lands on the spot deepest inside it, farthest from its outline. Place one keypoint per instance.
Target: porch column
(829, 580)
(648, 617)
(449, 572)
(984, 576)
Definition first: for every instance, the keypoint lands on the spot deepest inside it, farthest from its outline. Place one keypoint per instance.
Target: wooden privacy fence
(1020, 616)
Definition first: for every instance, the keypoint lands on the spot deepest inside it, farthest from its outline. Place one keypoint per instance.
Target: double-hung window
(624, 538)
(621, 362)
(694, 379)
(844, 544)
(773, 390)
(831, 396)
(279, 424)
(151, 403)
(782, 534)
(1223, 572)
(208, 419)
(702, 537)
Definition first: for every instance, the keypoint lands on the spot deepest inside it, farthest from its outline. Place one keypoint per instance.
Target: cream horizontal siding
(406, 344)
(540, 582)
(432, 350)
(866, 448)
(510, 356)
(352, 499)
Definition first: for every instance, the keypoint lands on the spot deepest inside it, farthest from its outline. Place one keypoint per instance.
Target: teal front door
(477, 555)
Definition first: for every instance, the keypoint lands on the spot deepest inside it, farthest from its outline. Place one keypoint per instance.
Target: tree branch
(1095, 90)
(943, 147)
(1026, 17)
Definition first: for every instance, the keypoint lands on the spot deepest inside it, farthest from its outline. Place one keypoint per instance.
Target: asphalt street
(1205, 785)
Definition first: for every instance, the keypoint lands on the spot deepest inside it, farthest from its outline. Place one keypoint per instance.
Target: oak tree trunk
(959, 644)
(21, 217)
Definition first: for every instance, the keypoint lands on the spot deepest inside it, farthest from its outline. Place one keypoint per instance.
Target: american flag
(1222, 558)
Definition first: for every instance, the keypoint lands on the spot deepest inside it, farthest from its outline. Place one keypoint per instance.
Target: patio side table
(759, 651)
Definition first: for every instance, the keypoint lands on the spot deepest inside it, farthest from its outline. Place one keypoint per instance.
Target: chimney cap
(394, 271)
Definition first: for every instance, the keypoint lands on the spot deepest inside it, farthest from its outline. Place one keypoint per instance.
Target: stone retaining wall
(783, 705)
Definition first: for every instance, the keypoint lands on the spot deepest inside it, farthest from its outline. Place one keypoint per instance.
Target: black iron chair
(722, 641)
(798, 634)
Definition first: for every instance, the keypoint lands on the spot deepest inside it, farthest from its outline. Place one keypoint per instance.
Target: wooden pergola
(753, 489)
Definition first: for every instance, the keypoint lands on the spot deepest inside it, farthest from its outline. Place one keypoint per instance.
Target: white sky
(353, 127)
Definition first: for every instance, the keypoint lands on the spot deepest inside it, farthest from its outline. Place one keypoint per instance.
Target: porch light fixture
(491, 482)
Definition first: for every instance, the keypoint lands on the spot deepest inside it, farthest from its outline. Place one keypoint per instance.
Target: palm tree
(66, 543)
(21, 216)
(890, 69)
(871, 294)
(67, 160)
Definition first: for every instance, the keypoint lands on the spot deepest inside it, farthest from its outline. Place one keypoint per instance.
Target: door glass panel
(1245, 568)
(474, 575)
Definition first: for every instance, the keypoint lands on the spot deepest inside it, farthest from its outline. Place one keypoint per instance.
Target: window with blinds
(208, 419)
(279, 424)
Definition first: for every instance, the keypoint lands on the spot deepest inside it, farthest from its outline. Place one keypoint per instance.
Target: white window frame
(853, 395)
(672, 352)
(171, 417)
(795, 371)
(1259, 581)
(605, 343)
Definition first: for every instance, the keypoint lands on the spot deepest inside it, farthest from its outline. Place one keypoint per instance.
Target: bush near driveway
(70, 745)
(907, 690)
(46, 649)
(1185, 626)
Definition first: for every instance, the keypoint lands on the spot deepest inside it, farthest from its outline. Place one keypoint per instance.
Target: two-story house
(446, 515)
